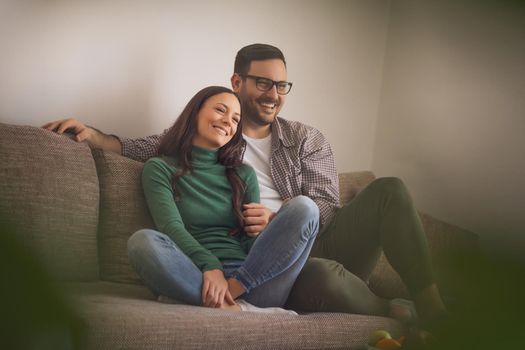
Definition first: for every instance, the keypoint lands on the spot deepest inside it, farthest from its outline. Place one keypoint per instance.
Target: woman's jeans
(268, 272)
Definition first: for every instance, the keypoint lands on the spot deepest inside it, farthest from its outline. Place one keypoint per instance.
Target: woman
(196, 191)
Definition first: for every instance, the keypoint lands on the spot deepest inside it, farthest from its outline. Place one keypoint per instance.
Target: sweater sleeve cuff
(212, 266)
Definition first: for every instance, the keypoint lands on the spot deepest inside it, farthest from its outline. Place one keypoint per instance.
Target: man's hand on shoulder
(83, 132)
(256, 218)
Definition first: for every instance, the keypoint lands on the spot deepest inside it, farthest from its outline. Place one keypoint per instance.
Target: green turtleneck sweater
(201, 220)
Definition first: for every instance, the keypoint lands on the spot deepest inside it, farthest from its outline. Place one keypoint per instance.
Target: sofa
(76, 208)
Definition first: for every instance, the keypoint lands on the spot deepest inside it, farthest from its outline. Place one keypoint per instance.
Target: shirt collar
(277, 135)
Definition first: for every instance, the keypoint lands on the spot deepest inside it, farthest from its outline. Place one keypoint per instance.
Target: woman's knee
(140, 242)
(304, 209)
(304, 206)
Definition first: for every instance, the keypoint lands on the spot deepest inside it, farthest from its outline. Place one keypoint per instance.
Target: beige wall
(431, 91)
(452, 113)
(128, 67)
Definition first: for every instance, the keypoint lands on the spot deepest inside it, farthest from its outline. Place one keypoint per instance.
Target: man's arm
(140, 149)
(319, 175)
(82, 132)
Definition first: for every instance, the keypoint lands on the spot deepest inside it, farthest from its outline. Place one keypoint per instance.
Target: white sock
(245, 306)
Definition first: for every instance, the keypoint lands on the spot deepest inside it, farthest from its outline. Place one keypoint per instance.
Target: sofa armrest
(445, 238)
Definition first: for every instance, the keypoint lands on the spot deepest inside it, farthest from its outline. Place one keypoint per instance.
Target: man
(292, 159)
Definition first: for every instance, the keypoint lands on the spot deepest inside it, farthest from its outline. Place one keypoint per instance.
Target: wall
(431, 91)
(452, 113)
(129, 67)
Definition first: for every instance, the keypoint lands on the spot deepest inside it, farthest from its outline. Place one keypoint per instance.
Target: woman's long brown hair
(177, 143)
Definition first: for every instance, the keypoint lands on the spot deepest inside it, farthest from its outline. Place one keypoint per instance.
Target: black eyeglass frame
(273, 82)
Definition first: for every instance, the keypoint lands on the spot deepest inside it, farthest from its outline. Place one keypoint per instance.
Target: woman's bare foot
(235, 288)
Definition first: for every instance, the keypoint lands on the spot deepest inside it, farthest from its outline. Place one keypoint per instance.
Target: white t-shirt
(257, 155)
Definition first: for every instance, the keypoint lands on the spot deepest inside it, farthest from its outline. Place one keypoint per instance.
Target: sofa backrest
(49, 195)
(78, 207)
(123, 211)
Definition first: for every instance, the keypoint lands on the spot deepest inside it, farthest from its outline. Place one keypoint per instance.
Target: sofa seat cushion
(49, 196)
(127, 316)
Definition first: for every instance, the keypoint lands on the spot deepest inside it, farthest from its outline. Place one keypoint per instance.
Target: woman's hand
(256, 218)
(215, 289)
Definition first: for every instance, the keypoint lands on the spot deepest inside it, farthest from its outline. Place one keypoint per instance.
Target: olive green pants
(382, 217)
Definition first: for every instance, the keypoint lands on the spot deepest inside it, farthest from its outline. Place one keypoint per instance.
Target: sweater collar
(203, 155)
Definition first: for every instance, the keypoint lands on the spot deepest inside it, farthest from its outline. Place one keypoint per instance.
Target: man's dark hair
(255, 52)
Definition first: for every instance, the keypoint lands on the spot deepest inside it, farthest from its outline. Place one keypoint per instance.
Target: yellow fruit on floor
(388, 344)
(377, 336)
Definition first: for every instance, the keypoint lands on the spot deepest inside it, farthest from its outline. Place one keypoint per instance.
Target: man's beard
(251, 113)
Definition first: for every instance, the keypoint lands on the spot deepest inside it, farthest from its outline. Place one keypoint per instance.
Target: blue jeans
(268, 272)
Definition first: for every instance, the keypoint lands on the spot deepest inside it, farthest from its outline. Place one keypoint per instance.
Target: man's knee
(389, 183)
(393, 187)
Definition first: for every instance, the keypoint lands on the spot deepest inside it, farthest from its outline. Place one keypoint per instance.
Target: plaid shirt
(301, 163)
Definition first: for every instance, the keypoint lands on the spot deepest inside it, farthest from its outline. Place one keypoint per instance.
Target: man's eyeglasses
(265, 84)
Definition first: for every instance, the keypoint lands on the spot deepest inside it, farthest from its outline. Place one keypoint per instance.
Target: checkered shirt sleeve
(303, 164)
(141, 149)
(319, 176)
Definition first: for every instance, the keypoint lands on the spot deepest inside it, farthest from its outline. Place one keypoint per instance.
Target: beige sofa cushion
(123, 211)
(121, 316)
(49, 194)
